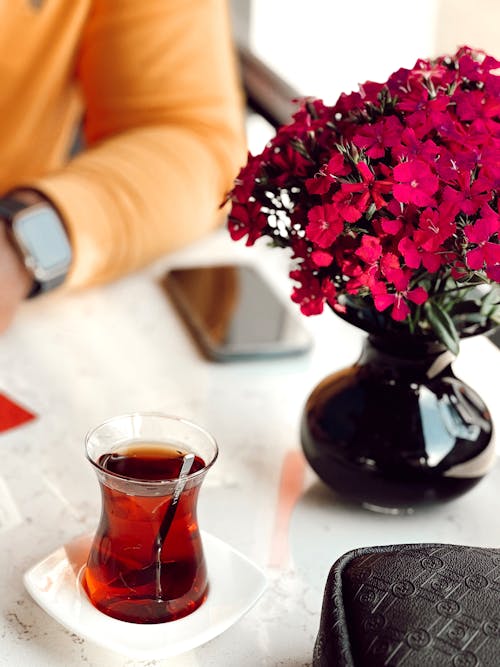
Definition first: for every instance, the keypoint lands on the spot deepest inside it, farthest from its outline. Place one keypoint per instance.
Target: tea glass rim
(152, 482)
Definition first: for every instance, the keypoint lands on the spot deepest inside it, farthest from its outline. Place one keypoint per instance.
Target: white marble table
(78, 359)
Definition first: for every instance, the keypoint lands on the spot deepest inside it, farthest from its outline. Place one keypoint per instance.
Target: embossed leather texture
(425, 605)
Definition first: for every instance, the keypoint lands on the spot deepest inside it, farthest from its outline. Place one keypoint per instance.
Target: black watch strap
(9, 207)
(48, 285)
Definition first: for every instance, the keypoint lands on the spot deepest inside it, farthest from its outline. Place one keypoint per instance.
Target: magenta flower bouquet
(388, 200)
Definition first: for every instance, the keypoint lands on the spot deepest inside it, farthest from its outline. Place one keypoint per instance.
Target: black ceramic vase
(397, 429)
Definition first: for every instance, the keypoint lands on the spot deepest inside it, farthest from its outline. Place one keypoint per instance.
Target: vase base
(393, 511)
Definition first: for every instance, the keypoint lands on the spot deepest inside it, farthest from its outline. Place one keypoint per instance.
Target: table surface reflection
(77, 359)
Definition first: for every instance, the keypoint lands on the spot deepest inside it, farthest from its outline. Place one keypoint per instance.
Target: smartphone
(234, 314)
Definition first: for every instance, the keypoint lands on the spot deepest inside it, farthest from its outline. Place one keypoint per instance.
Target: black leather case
(424, 605)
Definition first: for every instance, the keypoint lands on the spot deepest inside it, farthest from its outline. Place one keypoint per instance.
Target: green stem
(462, 287)
(418, 317)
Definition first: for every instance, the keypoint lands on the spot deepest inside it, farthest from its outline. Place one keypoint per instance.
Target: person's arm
(164, 130)
(15, 280)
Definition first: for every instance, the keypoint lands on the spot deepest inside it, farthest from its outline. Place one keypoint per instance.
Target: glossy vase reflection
(397, 429)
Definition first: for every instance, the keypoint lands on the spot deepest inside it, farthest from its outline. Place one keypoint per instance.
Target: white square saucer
(235, 585)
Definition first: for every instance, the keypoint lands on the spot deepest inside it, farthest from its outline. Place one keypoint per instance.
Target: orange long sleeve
(163, 126)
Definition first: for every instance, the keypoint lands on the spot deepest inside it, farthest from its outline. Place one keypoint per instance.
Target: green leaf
(491, 299)
(299, 146)
(371, 211)
(443, 326)
(311, 110)
(475, 318)
(495, 316)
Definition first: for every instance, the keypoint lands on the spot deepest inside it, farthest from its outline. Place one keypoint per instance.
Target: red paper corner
(12, 414)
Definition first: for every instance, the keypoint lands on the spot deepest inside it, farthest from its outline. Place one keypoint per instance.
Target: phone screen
(234, 313)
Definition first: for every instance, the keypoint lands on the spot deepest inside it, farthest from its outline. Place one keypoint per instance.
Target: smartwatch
(40, 237)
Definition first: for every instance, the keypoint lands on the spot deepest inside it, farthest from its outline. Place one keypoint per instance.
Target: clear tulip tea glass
(146, 563)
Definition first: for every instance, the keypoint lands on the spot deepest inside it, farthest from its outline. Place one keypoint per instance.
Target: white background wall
(475, 22)
(324, 47)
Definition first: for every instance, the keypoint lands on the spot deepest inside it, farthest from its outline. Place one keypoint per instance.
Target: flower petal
(400, 310)
(321, 258)
(383, 301)
(418, 295)
(475, 259)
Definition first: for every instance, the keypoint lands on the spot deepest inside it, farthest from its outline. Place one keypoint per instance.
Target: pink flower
(370, 249)
(410, 147)
(321, 258)
(399, 299)
(416, 95)
(325, 225)
(370, 190)
(319, 184)
(322, 181)
(487, 252)
(416, 184)
(348, 204)
(470, 194)
(369, 252)
(410, 252)
(308, 294)
(389, 193)
(490, 163)
(287, 160)
(392, 270)
(429, 115)
(370, 90)
(472, 68)
(435, 226)
(414, 255)
(347, 102)
(312, 293)
(391, 226)
(398, 81)
(493, 272)
(377, 138)
(472, 104)
(245, 181)
(246, 219)
(337, 166)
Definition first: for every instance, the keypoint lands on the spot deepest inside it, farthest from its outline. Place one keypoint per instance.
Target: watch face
(43, 240)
